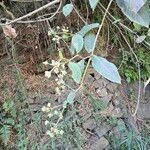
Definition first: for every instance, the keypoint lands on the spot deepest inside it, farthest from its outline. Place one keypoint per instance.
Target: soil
(112, 107)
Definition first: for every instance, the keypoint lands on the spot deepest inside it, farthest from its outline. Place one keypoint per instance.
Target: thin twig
(94, 45)
(33, 12)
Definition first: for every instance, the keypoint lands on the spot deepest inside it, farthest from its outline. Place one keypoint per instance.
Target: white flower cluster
(60, 71)
(59, 34)
(54, 131)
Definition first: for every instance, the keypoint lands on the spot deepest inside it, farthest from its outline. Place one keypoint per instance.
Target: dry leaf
(9, 31)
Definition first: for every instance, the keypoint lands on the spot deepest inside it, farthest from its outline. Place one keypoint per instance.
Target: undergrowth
(53, 127)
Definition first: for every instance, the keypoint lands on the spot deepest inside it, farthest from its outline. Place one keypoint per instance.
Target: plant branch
(94, 45)
(33, 12)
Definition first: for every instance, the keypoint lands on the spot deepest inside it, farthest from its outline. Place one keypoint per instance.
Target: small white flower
(63, 72)
(46, 122)
(45, 62)
(56, 70)
(61, 132)
(45, 109)
(63, 66)
(57, 90)
(56, 79)
(56, 131)
(56, 112)
(57, 42)
(54, 39)
(60, 76)
(49, 105)
(47, 74)
(58, 27)
(63, 87)
(61, 81)
(61, 116)
(53, 63)
(50, 133)
(50, 115)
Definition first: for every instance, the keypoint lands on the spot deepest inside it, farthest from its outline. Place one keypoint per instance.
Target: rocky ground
(103, 108)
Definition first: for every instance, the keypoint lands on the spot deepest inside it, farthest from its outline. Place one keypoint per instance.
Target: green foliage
(129, 139)
(5, 132)
(8, 115)
(70, 99)
(129, 67)
(81, 65)
(93, 3)
(67, 9)
(101, 65)
(106, 69)
(77, 42)
(89, 42)
(88, 27)
(76, 71)
(136, 11)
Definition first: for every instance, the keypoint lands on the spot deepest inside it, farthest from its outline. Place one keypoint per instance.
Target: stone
(102, 130)
(106, 99)
(111, 87)
(100, 144)
(100, 83)
(102, 92)
(144, 111)
(117, 113)
(97, 75)
(89, 124)
(89, 79)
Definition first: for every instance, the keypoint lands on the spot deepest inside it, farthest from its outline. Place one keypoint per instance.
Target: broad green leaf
(140, 39)
(89, 42)
(93, 3)
(87, 28)
(70, 99)
(67, 9)
(138, 13)
(76, 71)
(77, 42)
(136, 5)
(72, 49)
(106, 69)
(81, 65)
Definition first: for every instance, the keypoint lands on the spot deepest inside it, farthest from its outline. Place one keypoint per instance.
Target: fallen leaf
(9, 31)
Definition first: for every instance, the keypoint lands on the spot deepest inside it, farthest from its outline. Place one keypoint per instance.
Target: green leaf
(81, 65)
(87, 28)
(72, 49)
(93, 3)
(5, 134)
(106, 69)
(89, 42)
(136, 14)
(136, 5)
(140, 39)
(67, 9)
(10, 121)
(77, 42)
(70, 99)
(76, 71)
